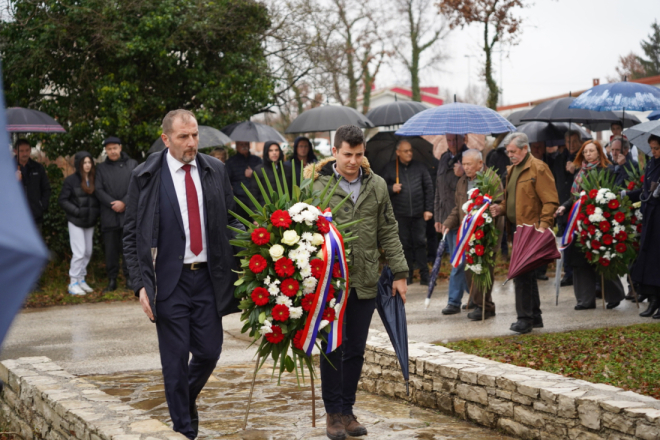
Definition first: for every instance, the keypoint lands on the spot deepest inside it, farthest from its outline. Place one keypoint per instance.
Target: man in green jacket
(370, 202)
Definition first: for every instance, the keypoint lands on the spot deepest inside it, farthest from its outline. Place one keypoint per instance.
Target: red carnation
(284, 267)
(590, 209)
(260, 236)
(622, 236)
(584, 233)
(280, 312)
(589, 255)
(607, 215)
(469, 259)
(633, 219)
(631, 185)
(276, 336)
(621, 247)
(586, 222)
(604, 226)
(595, 245)
(636, 245)
(479, 234)
(317, 267)
(479, 200)
(581, 216)
(619, 217)
(260, 296)
(307, 302)
(470, 207)
(593, 193)
(329, 314)
(281, 219)
(323, 225)
(604, 261)
(479, 250)
(297, 340)
(480, 221)
(583, 240)
(475, 194)
(641, 179)
(639, 228)
(336, 271)
(583, 198)
(258, 263)
(607, 239)
(592, 230)
(289, 287)
(614, 204)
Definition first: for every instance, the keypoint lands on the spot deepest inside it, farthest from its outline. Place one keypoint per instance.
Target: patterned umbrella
(456, 118)
(627, 96)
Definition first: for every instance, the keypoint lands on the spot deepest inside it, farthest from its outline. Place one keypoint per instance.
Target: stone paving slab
(284, 411)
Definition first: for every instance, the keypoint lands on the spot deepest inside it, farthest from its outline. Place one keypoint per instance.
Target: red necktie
(194, 223)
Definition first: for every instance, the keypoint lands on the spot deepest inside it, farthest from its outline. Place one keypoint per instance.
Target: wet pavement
(284, 411)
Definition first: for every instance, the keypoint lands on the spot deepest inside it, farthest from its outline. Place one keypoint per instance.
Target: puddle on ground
(284, 412)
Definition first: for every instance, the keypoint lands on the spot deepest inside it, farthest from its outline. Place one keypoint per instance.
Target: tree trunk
(350, 75)
(414, 74)
(493, 90)
(366, 96)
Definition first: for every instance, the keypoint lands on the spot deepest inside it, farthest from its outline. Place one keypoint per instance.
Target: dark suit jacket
(154, 240)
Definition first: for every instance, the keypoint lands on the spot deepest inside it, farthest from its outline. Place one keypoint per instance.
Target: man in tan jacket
(530, 198)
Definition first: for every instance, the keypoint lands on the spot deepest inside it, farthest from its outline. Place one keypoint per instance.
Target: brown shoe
(334, 427)
(353, 427)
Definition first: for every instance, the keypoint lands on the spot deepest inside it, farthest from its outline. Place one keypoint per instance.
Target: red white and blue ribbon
(571, 227)
(468, 226)
(332, 246)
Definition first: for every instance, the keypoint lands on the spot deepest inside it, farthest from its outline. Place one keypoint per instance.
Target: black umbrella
(547, 132)
(328, 118)
(515, 117)
(556, 110)
(394, 113)
(435, 270)
(24, 120)
(393, 314)
(381, 150)
(248, 131)
(208, 137)
(627, 119)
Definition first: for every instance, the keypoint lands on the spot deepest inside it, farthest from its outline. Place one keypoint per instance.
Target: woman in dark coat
(272, 154)
(591, 157)
(82, 210)
(645, 269)
(303, 153)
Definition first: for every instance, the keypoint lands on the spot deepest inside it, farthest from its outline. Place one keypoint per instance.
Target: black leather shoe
(424, 281)
(469, 306)
(194, 419)
(613, 305)
(112, 285)
(451, 310)
(129, 286)
(580, 307)
(542, 277)
(538, 322)
(654, 305)
(521, 327)
(655, 316)
(477, 314)
(566, 281)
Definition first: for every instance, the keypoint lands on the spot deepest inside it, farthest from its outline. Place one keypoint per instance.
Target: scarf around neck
(577, 183)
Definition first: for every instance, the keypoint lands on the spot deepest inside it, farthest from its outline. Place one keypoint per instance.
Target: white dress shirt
(179, 179)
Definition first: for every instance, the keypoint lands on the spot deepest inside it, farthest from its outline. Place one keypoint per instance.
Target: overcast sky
(564, 45)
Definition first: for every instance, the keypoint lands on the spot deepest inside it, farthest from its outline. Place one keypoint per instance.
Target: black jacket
(37, 188)
(498, 160)
(645, 269)
(416, 194)
(623, 171)
(235, 168)
(112, 178)
(141, 230)
(267, 166)
(81, 209)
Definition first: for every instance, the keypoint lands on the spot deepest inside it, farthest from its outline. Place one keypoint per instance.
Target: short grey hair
(171, 116)
(520, 139)
(403, 141)
(472, 152)
(625, 143)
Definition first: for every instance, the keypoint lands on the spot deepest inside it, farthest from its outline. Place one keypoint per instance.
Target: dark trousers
(528, 302)
(187, 322)
(431, 241)
(339, 381)
(585, 279)
(477, 293)
(113, 242)
(412, 233)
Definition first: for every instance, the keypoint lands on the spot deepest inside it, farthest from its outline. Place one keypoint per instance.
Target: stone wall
(42, 401)
(519, 401)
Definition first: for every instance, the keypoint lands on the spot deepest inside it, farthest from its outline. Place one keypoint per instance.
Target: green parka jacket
(378, 226)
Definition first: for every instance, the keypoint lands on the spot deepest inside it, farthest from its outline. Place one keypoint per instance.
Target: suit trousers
(187, 322)
(339, 381)
(412, 233)
(528, 301)
(584, 287)
(113, 244)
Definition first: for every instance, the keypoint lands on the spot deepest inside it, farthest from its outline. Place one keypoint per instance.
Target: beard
(188, 156)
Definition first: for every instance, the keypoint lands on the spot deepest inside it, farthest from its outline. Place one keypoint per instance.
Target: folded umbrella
(393, 314)
(531, 250)
(434, 272)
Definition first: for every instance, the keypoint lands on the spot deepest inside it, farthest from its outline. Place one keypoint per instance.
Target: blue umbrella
(393, 314)
(435, 270)
(654, 115)
(623, 95)
(22, 252)
(456, 118)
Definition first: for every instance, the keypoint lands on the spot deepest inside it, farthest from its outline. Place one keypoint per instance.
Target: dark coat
(445, 187)
(563, 179)
(498, 161)
(416, 194)
(645, 270)
(142, 231)
(112, 178)
(81, 209)
(235, 168)
(267, 166)
(623, 171)
(37, 188)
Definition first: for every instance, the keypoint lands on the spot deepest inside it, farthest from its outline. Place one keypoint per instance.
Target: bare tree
(500, 26)
(420, 33)
(629, 67)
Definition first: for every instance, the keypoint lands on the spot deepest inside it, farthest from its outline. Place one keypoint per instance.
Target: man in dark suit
(176, 244)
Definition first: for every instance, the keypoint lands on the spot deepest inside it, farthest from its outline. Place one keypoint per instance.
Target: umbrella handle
(397, 170)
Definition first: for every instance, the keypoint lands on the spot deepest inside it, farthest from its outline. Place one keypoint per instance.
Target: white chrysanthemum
(638, 214)
(476, 268)
(267, 280)
(295, 312)
(323, 324)
(598, 211)
(273, 290)
(465, 206)
(471, 251)
(596, 252)
(306, 271)
(297, 208)
(599, 235)
(307, 236)
(485, 215)
(588, 243)
(282, 299)
(332, 303)
(267, 327)
(610, 196)
(309, 284)
(600, 198)
(583, 193)
(489, 220)
(310, 217)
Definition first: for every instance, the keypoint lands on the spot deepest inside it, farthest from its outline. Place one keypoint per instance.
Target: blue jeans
(457, 283)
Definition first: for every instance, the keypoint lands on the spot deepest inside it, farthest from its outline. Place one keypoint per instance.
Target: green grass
(55, 279)
(626, 357)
